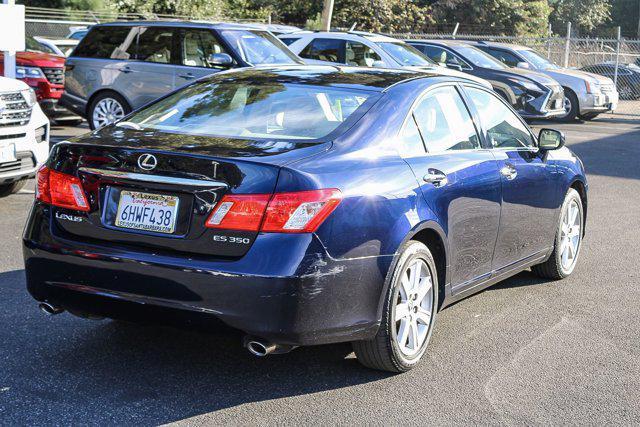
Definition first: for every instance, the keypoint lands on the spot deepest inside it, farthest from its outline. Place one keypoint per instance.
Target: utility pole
(327, 12)
(9, 56)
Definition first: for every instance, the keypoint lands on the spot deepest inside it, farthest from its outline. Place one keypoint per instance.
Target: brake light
(59, 189)
(295, 212)
(239, 212)
(301, 211)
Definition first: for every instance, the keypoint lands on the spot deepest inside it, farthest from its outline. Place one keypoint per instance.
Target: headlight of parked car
(30, 97)
(29, 73)
(592, 87)
(529, 85)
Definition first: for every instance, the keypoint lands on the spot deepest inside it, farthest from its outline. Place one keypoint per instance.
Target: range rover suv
(118, 67)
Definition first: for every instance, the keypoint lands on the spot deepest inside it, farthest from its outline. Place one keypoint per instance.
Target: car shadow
(92, 371)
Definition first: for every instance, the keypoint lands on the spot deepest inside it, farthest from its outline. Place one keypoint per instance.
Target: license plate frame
(150, 212)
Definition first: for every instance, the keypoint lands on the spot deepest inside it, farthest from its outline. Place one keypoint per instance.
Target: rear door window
(197, 45)
(360, 55)
(114, 42)
(445, 122)
(155, 44)
(331, 50)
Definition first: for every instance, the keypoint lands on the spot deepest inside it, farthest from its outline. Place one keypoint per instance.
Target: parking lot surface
(525, 351)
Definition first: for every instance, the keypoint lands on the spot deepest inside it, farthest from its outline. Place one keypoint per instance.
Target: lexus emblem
(147, 162)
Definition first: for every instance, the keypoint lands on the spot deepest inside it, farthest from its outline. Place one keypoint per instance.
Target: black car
(532, 94)
(627, 81)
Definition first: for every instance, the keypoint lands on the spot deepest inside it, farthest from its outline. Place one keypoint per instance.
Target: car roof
(442, 42)
(371, 79)
(346, 35)
(498, 44)
(182, 23)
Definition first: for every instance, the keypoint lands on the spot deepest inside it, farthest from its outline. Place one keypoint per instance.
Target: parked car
(628, 79)
(361, 49)
(586, 94)
(305, 205)
(77, 33)
(121, 66)
(24, 135)
(44, 72)
(532, 94)
(61, 47)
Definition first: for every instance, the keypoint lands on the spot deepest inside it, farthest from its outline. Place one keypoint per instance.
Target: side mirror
(550, 139)
(220, 60)
(523, 65)
(454, 66)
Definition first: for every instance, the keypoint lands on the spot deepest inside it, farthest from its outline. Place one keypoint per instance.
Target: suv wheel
(106, 108)
(409, 313)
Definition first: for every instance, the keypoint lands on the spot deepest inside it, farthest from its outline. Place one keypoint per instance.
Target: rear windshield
(259, 47)
(246, 110)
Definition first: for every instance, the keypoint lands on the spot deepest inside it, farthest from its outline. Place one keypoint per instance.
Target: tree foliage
(584, 15)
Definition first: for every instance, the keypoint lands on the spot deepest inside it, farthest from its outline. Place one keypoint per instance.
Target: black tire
(105, 95)
(12, 188)
(552, 267)
(589, 116)
(382, 352)
(572, 114)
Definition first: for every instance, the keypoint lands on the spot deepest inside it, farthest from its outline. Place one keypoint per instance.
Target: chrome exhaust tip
(50, 309)
(262, 348)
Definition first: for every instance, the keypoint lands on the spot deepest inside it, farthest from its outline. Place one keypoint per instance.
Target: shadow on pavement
(77, 370)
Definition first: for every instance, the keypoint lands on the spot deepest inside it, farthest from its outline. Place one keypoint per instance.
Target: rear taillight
(59, 189)
(239, 212)
(300, 212)
(295, 212)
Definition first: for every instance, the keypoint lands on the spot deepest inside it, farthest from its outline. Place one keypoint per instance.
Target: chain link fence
(617, 59)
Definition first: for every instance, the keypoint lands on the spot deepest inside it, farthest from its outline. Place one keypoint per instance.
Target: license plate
(8, 153)
(148, 212)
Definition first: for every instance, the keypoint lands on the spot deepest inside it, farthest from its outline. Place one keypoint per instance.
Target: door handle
(187, 76)
(435, 177)
(509, 171)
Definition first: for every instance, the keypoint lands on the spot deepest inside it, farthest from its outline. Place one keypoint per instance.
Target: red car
(44, 72)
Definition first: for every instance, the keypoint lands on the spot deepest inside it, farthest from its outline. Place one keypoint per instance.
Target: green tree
(584, 15)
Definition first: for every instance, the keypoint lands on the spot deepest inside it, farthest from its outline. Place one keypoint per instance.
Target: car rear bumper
(74, 104)
(296, 295)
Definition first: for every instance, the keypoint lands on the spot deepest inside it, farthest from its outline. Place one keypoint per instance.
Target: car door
(459, 180)
(196, 45)
(530, 191)
(150, 72)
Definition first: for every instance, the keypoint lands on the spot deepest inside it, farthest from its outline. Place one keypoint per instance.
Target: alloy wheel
(413, 310)
(107, 111)
(570, 236)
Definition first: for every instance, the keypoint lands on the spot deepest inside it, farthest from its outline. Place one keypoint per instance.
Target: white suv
(24, 135)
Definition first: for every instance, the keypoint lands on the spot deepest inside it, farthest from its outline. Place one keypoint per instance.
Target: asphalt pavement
(526, 351)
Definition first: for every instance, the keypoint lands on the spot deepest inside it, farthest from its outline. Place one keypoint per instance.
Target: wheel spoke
(414, 335)
(423, 289)
(423, 316)
(403, 333)
(402, 311)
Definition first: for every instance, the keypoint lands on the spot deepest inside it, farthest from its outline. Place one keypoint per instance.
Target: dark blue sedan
(305, 205)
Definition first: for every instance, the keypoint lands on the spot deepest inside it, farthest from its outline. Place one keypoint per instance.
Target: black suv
(532, 94)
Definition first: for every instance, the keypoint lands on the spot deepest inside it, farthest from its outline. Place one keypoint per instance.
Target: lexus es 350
(305, 205)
